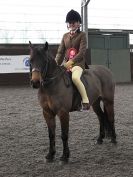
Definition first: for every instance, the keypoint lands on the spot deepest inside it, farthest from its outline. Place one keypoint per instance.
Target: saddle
(76, 99)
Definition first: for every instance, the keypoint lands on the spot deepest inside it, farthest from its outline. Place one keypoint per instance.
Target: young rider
(72, 51)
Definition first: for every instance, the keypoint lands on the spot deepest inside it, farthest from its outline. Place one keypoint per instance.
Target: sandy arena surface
(24, 139)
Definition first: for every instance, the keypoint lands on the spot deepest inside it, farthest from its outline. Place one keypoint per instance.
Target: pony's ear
(30, 45)
(46, 46)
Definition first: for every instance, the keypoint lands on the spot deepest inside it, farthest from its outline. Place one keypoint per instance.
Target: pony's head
(38, 63)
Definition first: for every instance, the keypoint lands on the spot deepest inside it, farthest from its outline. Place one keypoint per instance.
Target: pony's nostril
(35, 84)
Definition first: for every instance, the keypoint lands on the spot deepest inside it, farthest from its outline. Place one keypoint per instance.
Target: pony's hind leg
(50, 120)
(109, 112)
(64, 120)
(97, 109)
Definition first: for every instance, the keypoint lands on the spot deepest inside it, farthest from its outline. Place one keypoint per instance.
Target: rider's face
(73, 25)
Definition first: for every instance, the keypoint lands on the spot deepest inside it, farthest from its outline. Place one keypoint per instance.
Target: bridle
(46, 80)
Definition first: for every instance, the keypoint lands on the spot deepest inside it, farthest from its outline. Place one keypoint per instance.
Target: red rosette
(71, 53)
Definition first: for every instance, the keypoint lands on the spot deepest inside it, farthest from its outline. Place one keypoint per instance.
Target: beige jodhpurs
(76, 75)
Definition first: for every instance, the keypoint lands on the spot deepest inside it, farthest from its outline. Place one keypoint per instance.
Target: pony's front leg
(50, 120)
(64, 120)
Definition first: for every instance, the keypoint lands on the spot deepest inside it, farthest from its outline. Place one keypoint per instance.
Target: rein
(47, 76)
(49, 80)
(46, 80)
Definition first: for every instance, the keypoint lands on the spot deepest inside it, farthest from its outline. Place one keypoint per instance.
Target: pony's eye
(30, 61)
(30, 58)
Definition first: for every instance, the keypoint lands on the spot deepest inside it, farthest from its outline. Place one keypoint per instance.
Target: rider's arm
(61, 52)
(82, 49)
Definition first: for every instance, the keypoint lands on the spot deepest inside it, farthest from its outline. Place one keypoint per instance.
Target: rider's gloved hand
(68, 64)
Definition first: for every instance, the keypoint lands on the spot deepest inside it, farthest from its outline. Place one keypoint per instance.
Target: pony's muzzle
(35, 84)
(35, 79)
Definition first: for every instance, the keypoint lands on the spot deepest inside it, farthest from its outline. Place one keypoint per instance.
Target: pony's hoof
(99, 141)
(64, 159)
(113, 141)
(49, 160)
(50, 157)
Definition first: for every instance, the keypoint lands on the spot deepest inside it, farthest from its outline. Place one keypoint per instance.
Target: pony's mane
(40, 49)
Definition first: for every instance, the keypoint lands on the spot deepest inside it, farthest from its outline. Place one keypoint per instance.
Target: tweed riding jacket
(77, 41)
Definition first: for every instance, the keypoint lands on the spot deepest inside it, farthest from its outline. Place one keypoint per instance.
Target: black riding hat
(73, 16)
